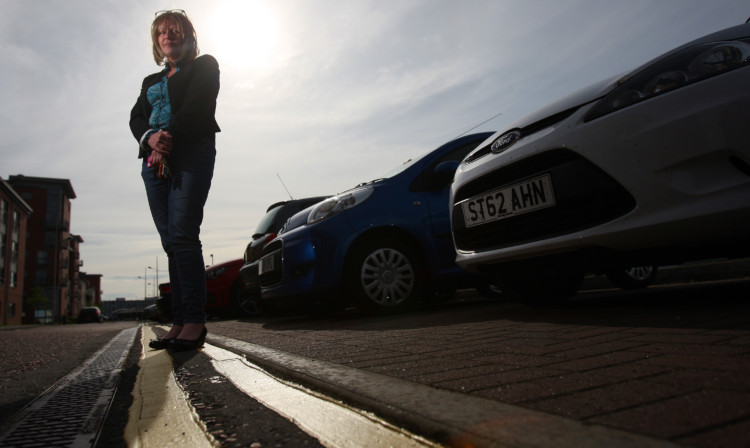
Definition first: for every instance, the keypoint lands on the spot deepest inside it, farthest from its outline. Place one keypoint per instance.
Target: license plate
(523, 197)
(266, 265)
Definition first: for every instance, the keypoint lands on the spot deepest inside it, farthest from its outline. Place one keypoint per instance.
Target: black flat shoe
(160, 344)
(178, 345)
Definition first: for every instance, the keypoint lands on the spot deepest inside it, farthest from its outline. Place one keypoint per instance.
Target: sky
(316, 96)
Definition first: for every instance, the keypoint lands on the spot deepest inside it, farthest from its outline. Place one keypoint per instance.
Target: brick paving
(668, 362)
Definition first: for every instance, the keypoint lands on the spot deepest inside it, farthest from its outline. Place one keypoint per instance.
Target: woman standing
(173, 121)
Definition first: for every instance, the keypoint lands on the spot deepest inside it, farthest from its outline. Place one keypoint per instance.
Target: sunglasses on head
(174, 11)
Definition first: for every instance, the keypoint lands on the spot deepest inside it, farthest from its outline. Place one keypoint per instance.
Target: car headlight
(682, 68)
(215, 273)
(338, 204)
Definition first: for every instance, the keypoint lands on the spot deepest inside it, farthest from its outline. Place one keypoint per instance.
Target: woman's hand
(161, 144)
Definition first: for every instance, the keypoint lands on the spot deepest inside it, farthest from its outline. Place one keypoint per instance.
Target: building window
(3, 214)
(42, 278)
(42, 258)
(13, 254)
(11, 309)
(2, 257)
(16, 225)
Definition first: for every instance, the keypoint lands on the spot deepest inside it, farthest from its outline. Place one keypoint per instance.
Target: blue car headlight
(685, 67)
(338, 204)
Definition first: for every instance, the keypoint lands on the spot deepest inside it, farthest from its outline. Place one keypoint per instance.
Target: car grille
(585, 196)
(275, 276)
(525, 131)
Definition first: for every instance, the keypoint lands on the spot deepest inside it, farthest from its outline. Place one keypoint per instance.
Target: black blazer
(192, 94)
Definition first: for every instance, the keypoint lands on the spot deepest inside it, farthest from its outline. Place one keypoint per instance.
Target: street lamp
(157, 275)
(145, 283)
(157, 280)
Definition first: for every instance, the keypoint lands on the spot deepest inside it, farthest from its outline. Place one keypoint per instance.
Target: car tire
(385, 275)
(243, 304)
(542, 289)
(633, 278)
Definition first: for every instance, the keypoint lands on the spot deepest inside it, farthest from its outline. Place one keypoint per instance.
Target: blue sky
(322, 93)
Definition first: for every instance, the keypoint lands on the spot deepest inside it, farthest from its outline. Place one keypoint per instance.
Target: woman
(173, 121)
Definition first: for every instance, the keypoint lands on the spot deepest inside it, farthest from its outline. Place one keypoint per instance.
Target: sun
(244, 34)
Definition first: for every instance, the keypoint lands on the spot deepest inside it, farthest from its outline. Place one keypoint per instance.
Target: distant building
(14, 213)
(122, 309)
(53, 252)
(91, 289)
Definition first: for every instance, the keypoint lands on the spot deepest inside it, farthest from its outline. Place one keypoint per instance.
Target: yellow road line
(329, 421)
(160, 414)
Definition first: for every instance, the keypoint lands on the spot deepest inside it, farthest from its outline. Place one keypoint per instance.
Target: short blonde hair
(184, 26)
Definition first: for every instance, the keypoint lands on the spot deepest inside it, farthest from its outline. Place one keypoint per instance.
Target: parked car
(650, 168)
(152, 312)
(276, 215)
(224, 291)
(90, 314)
(164, 301)
(383, 245)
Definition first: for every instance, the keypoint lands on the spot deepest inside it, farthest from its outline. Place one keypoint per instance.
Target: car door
(434, 182)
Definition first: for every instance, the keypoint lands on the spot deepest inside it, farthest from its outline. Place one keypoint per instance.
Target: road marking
(331, 422)
(160, 414)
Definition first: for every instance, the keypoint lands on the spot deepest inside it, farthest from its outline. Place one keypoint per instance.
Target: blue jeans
(177, 208)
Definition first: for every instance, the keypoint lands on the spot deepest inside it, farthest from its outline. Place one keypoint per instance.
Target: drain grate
(71, 413)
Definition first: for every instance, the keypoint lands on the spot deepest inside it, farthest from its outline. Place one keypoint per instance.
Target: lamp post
(154, 287)
(145, 283)
(157, 276)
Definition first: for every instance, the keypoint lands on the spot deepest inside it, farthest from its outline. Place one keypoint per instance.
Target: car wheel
(633, 278)
(243, 303)
(542, 289)
(385, 275)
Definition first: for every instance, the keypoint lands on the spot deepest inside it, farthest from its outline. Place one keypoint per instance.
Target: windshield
(265, 224)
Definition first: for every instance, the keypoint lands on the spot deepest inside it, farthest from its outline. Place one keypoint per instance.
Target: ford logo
(505, 141)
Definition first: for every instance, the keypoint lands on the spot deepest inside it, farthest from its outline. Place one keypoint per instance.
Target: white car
(651, 168)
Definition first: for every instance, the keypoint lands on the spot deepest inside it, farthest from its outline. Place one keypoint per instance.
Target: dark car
(90, 314)
(276, 215)
(164, 301)
(152, 312)
(383, 245)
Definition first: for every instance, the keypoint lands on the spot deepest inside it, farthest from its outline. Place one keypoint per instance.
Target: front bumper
(249, 276)
(669, 175)
(305, 262)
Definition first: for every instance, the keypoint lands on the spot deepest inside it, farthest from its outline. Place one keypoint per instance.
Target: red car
(224, 290)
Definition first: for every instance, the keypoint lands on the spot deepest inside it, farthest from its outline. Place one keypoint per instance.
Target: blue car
(383, 245)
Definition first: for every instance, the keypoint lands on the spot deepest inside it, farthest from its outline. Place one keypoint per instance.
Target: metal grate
(71, 413)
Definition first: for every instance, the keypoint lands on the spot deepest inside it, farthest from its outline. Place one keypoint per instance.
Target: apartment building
(14, 212)
(53, 261)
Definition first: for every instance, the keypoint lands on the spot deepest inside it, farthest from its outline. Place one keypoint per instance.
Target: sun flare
(244, 34)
